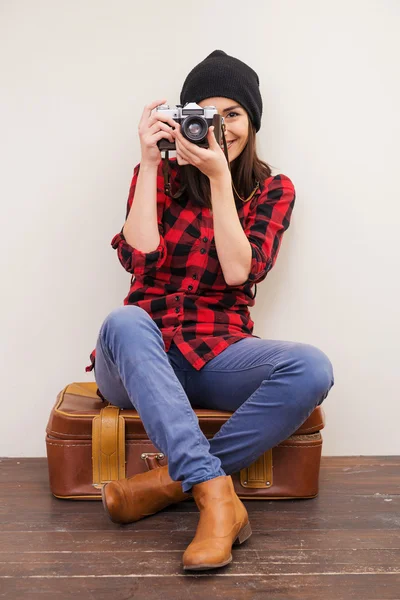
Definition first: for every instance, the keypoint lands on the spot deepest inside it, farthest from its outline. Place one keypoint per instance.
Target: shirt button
(176, 297)
(194, 276)
(177, 309)
(190, 287)
(205, 239)
(202, 250)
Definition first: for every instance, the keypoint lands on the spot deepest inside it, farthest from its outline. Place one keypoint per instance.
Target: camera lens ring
(189, 122)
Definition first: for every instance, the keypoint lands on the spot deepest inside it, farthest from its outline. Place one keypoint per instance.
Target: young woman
(184, 335)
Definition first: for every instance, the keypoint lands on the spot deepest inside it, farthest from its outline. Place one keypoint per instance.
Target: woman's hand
(153, 127)
(211, 161)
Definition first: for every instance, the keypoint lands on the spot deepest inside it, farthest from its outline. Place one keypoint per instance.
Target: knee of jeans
(319, 371)
(122, 317)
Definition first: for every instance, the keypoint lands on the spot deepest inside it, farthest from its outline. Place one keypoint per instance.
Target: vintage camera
(194, 121)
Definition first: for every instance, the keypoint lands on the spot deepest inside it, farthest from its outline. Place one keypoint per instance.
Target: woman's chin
(232, 158)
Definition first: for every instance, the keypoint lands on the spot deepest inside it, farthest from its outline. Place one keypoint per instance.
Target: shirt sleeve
(266, 224)
(133, 260)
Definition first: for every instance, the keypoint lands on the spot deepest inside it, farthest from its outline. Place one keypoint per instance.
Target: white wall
(74, 79)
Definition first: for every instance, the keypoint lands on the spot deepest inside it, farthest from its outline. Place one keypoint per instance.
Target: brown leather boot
(128, 500)
(223, 522)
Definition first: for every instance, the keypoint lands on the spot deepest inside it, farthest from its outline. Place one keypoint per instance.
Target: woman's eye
(233, 113)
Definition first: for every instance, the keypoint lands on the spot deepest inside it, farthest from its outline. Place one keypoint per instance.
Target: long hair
(246, 170)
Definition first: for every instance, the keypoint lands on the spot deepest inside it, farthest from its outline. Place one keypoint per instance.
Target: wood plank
(262, 562)
(124, 539)
(363, 513)
(222, 586)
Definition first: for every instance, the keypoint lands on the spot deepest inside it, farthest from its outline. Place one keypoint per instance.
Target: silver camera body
(194, 121)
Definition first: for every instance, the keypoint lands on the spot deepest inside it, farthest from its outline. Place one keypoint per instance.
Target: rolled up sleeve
(266, 224)
(133, 260)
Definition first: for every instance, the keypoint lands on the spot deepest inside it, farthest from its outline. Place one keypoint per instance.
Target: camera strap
(165, 167)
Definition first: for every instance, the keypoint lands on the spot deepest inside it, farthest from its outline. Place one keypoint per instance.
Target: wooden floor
(344, 544)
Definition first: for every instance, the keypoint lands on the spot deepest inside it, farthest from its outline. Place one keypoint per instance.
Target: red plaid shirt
(181, 284)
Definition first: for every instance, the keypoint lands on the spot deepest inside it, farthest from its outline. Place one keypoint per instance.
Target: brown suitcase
(90, 442)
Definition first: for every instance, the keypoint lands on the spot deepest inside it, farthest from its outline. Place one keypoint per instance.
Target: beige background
(74, 79)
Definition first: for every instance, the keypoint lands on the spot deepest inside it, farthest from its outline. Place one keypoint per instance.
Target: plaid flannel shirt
(181, 284)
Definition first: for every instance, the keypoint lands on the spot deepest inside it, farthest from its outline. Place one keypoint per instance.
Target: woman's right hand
(152, 127)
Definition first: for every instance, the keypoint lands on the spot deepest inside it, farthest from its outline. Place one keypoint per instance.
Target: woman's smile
(229, 144)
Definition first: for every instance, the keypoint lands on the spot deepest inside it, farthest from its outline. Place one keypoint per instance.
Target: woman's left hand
(211, 161)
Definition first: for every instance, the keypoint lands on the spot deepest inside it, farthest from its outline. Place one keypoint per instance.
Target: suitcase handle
(108, 446)
(151, 459)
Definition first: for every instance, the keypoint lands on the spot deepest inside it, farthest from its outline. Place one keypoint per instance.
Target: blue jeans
(272, 386)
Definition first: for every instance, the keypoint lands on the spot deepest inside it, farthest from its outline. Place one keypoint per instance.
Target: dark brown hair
(246, 170)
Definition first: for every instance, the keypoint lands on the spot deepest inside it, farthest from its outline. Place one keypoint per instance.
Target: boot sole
(242, 536)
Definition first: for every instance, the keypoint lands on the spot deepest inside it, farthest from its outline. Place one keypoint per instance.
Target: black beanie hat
(222, 75)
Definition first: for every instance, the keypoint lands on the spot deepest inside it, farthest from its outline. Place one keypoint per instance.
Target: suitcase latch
(151, 459)
(259, 474)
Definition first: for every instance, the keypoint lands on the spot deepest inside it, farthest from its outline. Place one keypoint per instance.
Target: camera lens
(194, 128)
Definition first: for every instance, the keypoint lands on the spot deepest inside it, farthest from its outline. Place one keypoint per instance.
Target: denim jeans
(272, 386)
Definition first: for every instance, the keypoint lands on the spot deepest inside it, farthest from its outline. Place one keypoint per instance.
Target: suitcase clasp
(151, 459)
(259, 474)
